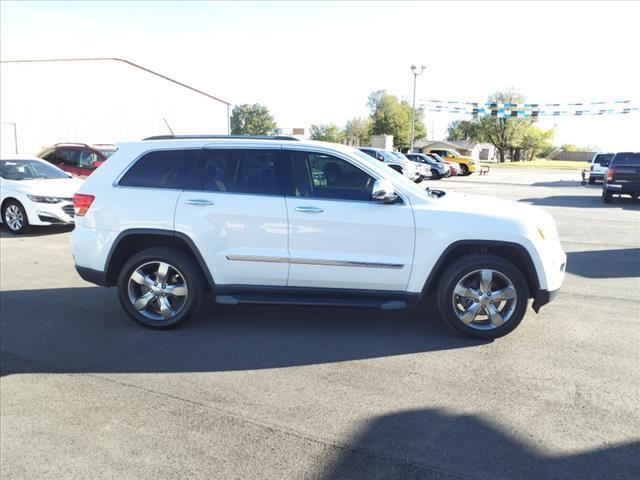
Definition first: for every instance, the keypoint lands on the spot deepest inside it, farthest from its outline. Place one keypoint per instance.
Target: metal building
(97, 100)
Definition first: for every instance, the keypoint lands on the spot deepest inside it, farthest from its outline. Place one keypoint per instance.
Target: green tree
(252, 120)
(535, 142)
(356, 131)
(462, 130)
(327, 133)
(390, 116)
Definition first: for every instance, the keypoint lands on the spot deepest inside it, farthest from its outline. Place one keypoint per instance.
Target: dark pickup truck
(623, 176)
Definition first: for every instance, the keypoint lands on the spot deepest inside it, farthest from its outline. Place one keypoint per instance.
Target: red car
(78, 159)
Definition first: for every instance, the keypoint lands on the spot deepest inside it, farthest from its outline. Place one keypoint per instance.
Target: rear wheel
(483, 296)
(607, 196)
(160, 287)
(592, 180)
(14, 217)
(435, 175)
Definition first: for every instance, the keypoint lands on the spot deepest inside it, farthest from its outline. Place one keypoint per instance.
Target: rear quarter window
(162, 169)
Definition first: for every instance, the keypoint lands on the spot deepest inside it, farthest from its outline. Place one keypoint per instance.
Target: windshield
(391, 157)
(29, 170)
(437, 157)
(106, 153)
(400, 155)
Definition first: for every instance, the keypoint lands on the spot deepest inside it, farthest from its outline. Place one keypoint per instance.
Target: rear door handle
(309, 209)
(198, 202)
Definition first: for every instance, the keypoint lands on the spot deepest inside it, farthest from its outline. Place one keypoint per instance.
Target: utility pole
(416, 71)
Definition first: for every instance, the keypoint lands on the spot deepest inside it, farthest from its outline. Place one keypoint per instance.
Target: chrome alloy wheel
(14, 218)
(484, 299)
(158, 290)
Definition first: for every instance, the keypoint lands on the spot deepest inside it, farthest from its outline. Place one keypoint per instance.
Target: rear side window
(626, 159)
(162, 169)
(603, 159)
(244, 171)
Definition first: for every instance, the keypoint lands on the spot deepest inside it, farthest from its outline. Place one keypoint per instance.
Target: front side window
(318, 175)
(244, 171)
(87, 159)
(162, 169)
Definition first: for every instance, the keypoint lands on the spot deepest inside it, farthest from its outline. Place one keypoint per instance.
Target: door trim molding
(311, 261)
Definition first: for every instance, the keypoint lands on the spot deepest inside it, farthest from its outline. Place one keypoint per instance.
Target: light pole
(416, 71)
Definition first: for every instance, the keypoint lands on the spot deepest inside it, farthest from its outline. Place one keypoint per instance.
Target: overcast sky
(317, 62)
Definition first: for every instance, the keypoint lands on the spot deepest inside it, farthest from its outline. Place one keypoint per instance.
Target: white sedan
(34, 192)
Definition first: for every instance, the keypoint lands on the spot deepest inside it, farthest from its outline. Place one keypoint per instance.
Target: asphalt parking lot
(284, 392)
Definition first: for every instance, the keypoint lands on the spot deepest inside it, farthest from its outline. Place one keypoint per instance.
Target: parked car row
(78, 159)
(417, 166)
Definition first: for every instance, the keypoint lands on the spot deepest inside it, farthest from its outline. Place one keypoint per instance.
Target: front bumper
(50, 213)
(542, 297)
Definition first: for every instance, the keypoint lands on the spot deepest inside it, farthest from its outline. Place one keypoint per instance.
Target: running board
(271, 299)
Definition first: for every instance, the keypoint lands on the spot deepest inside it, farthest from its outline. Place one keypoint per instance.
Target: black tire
(15, 204)
(435, 175)
(187, 271)
(464, 169)
(592, 181)
(607, 196)
(467, 265)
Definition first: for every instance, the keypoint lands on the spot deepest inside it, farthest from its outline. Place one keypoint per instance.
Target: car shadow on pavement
(567, 183)
(583, 201)
(85, 330)
(36, 231)
(429, 443)
(620, 263)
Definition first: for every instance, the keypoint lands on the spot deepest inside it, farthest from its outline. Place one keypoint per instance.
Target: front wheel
(435, 175)
(464, 170)
(483, 296)
(160, 287)
(14, 217)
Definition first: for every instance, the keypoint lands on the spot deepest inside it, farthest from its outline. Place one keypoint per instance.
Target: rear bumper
(92, 276)
(542, 297)
(628, 188)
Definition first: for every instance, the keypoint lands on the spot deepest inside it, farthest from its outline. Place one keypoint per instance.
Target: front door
(237, 216)
(339, 237)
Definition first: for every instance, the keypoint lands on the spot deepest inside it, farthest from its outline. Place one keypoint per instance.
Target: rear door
(339, 237)
(235, 212)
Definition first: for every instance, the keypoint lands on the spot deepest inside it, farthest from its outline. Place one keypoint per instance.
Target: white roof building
(98, 100)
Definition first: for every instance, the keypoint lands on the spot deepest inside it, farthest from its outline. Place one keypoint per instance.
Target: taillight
(611, 174)
(81, 203)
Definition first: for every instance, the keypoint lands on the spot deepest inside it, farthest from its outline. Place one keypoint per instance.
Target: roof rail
(71, 143)
(235, 137)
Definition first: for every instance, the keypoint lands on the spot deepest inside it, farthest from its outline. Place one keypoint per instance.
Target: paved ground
(290, 393)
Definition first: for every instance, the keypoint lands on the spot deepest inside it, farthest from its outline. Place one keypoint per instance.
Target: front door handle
(309, 209)
(198, 202)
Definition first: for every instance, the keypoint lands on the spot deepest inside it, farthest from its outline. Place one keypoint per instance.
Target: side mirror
(383, 192)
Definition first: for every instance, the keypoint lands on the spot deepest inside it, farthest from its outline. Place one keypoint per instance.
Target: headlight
(39, 199)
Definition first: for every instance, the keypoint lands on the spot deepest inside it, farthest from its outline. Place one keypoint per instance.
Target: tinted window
(603, 159)
(67, 157)
(162, 169)
(244, 171)
(323, 176)
(627, 158)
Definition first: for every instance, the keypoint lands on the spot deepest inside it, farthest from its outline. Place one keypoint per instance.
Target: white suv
(599, 166)
(275, 220)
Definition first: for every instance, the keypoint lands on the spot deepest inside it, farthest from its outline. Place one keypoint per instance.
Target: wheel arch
(515, 253)
(131, 241)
